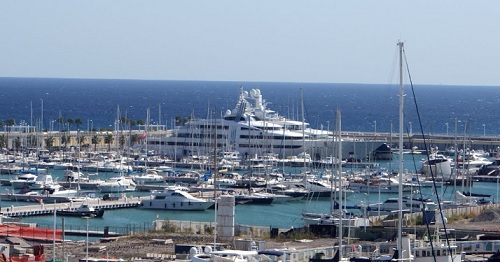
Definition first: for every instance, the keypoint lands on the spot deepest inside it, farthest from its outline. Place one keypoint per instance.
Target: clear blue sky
(452, 42)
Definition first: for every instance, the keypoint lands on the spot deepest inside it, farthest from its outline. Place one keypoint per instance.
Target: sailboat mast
(340, 195)
(215, 179)
(400, 189)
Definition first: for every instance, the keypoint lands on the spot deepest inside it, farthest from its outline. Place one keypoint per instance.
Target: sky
(448, 42)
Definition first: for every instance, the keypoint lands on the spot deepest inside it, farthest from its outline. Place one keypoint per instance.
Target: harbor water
(281, 215)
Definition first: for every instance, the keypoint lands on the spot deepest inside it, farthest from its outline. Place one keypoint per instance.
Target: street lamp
(87, 244)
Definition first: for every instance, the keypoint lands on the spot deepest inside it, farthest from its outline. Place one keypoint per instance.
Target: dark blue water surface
(364, 107)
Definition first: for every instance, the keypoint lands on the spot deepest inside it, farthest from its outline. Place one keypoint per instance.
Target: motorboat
(41, 182)
(409, 205)
(117, 184)
(151, 176)
(84, 210)
(205, 254)
(24, 180)
(175, 199)
(438, 165)
(76, 179)
(59, 191)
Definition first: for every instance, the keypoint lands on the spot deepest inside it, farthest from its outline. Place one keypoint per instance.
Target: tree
(130, 123)
(108, 140)
(65, 140)
(3, 141)
(70, 122)
(10, 122)
(122, 141)
(32, 141)
(17, 143)
(134, 139)
(95, 141)
(81, 139)
(49, 142)
(181, 120)
(60, 121)
(78, 122)
(140, 122)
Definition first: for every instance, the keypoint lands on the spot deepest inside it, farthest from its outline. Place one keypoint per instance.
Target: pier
(485, 142)
(48, 209)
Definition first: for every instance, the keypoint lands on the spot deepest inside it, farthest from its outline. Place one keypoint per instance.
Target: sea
(470, 110)
(466, 110)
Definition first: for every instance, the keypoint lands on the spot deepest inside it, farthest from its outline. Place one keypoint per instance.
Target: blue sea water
(364, 107)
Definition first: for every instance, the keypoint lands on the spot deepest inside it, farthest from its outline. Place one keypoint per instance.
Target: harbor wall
(195, 227)
(488, 143)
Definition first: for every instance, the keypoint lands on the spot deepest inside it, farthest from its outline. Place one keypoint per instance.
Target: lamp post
(87, 242)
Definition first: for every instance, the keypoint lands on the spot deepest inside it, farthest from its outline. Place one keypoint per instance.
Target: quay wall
(484, 142)
(195, 227)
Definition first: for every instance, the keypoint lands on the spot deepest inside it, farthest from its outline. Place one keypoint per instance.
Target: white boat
(173, 199)
(205, 254)
(409, 205)
(56, 190)
(378, 185)
(439, 165)
(76, 179)
(251, 119)
(24, 180)
(117, 185)
(41, 182)
(151, 176)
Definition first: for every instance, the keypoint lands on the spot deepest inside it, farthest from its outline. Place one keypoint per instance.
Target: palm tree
(134, 139)
(3, 141)
(10, 122)
(78, 122)
(70, 122)
(32, 141)
(130, 123)
(96, 140)
(81, 139)
(60, 121)
(65, 140)
(108, 139)
(49, 142)
(17, 143)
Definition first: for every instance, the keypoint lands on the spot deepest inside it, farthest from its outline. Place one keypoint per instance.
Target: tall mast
(341, 203)
(400, 191)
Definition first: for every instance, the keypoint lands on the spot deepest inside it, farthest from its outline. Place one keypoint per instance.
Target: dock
(48, 209)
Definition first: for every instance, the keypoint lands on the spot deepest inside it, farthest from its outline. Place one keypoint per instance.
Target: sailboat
(419, 250)
(337, 216)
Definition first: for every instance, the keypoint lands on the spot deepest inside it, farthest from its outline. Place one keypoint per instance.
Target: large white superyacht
(253, 129)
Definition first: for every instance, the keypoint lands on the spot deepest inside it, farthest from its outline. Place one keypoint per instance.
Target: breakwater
(113, 139)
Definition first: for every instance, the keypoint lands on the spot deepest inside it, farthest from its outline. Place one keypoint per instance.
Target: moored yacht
(251, 128)
(174, 199)
(117, 185)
